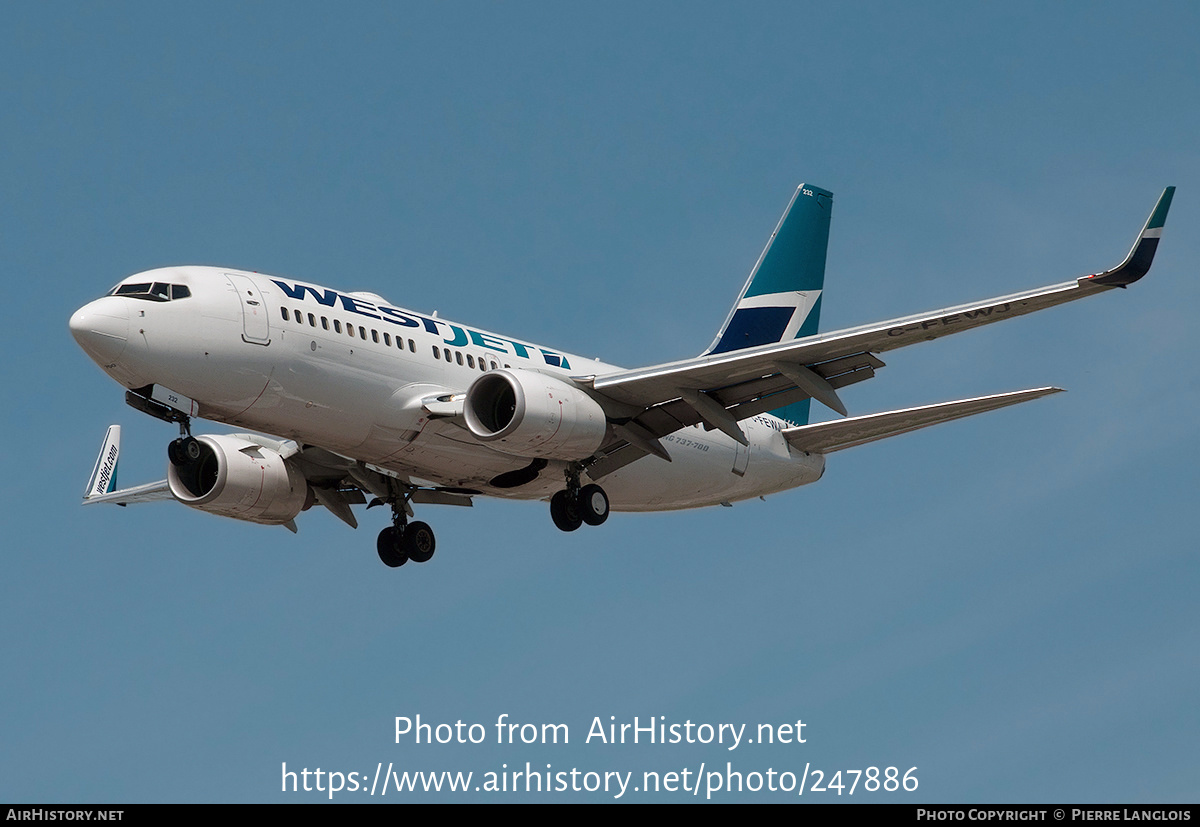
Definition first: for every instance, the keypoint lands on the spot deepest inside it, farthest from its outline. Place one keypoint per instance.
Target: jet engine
(530, 414)
(237, 478)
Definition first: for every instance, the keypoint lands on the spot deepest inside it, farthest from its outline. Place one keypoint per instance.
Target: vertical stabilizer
(781, 300)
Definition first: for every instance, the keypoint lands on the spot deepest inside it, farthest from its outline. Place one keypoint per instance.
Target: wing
(102, 484)
(334, 481)
(147, 493)
(721, 389)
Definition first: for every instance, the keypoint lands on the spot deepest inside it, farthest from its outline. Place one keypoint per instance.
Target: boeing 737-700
(366, 400)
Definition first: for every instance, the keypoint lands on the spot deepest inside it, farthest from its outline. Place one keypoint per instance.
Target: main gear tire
(389, 547)
(564, 510)
(418, 542)
(593, 504)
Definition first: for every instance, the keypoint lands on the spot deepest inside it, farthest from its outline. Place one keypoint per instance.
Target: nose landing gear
(183, 450)
(186, 449)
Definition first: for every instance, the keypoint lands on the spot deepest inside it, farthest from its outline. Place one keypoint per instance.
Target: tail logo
(764, 319)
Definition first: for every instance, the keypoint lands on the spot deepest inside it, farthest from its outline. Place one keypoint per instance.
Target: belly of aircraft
(707, 468)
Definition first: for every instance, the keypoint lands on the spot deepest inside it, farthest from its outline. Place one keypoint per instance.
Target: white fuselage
(351, 373)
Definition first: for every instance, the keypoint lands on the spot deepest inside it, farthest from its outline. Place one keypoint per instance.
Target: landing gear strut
(403, 541)
(576, 505)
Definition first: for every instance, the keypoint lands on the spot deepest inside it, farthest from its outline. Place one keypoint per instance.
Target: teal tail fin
(781, 300)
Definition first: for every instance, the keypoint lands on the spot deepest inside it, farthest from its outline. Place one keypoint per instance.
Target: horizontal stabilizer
(828, 437)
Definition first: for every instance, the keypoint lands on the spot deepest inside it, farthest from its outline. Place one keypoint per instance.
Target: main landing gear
(577, 504)
(403, 541)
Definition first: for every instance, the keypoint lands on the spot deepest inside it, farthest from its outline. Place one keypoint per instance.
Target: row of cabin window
(337, 328)
(458, 357)
(387, 338)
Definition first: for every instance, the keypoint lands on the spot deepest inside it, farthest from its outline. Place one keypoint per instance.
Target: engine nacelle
(237, 478)
(529, 414)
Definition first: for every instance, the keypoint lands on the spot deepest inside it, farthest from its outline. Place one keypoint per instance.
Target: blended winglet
(102, 485)
(1141, 255)
(104, 474)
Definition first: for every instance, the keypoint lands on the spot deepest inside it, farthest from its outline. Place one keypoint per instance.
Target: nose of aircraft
(102, 328)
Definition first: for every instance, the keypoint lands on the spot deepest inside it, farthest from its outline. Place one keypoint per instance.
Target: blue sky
(1006, 603)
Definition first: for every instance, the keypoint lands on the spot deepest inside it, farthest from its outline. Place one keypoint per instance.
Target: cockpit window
(156, 292)
(131, 289)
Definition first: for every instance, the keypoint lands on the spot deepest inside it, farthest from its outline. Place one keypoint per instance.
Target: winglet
(104, 474)
(1138, 262)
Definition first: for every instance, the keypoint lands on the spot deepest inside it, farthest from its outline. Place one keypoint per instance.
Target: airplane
(365, 399)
